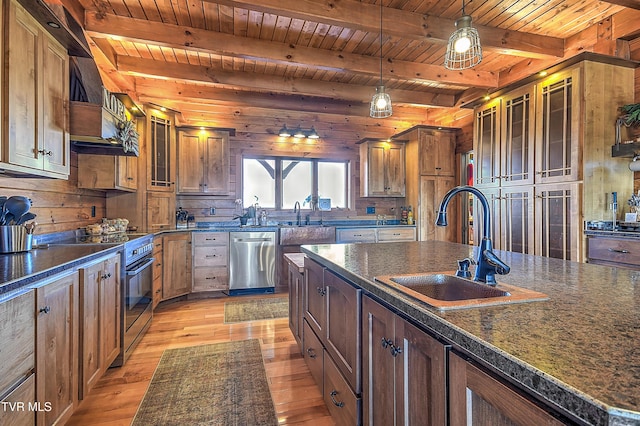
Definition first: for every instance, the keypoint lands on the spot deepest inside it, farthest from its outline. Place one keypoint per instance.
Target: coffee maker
(182, 218)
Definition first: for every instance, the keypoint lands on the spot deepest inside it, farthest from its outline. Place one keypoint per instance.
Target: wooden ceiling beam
(195, 39)
(409, 25)
(633, 4)
(268, 83)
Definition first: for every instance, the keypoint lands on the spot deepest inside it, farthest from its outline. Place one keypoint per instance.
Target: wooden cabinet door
(216, 171)
(342, 330)
(486, 143)
(518, 128)
(437, 154)
(378, 373)
(477, 398)
(90, 330)
(54, 95)
(558, 220)
(191, 160)
(25, 58)
(394, 171)
(177, 265)
(314, 291)
(127, 176)
(517, 224)
(18, 337)
(558, 119)
(110, 310)
(492, 194)
(57, 348)
(432, 190)
(420, 377)
(161, 210)
(161, 152)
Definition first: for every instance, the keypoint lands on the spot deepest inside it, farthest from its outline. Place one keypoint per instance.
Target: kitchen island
(578, 351)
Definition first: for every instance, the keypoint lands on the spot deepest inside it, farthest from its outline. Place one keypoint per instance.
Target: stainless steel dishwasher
(252, 262)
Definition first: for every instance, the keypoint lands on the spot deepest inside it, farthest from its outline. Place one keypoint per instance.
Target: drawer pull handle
(312, 353)
(618, 250)
(210, 278)
(45, 310)
(211, 255)
(386, 342)
(321, 291)
(395, 350)
(336, 403)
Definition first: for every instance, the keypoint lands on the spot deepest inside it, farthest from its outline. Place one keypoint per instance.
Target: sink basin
(445, 291)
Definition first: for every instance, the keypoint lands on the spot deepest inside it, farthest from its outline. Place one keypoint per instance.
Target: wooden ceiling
(202, 57)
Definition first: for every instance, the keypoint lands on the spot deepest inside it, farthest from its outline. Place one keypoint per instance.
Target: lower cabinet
(331, 340)
(156, 287)
(17, 359)
(404, 370)
(477, 398)
(176, 261)
(57, 348)
(618, 252)
(210, 260)
(99, 337)
(295, 274)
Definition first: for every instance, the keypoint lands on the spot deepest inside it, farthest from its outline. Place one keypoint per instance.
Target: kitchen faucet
(296, 209)
(488, 264)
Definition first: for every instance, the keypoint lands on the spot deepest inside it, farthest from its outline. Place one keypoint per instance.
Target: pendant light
(464, 49)
(381, 101)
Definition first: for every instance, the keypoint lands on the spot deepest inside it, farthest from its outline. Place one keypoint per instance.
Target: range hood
(98, 121)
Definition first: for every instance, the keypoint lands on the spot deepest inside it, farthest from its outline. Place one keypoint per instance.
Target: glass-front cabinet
(161, 152)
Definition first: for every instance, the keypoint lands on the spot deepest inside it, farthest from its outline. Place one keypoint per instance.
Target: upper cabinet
(161, 152)
(36, 139)
(542, 153)
(108, 172)
(382, 168)
(203, 162)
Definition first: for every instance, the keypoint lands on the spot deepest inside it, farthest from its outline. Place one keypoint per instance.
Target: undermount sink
(445, 291)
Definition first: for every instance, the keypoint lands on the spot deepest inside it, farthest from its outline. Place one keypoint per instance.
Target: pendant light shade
(381, 101)
(380, 104)
(464, 49)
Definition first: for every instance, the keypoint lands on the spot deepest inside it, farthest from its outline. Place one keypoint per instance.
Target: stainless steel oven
(136, 294)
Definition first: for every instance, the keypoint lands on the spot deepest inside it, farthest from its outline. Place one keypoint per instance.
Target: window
(277, 183)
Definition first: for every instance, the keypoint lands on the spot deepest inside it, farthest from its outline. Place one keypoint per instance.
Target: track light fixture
(299, 133)
(464, 49)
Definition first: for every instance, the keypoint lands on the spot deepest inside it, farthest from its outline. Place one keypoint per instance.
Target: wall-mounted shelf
(625, 149)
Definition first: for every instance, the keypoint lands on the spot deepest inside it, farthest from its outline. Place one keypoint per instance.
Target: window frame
(278, 173)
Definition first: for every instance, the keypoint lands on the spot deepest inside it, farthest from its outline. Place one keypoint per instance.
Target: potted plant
(243, 218)
(629, 116)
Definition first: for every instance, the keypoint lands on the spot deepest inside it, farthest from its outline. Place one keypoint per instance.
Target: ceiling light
(381, 101)
(464, 49)
(284, 132)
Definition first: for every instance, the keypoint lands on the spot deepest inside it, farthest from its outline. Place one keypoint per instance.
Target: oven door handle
(141, 268)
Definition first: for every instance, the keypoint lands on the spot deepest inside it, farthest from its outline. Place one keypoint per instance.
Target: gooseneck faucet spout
(296, 209)
(488, 263)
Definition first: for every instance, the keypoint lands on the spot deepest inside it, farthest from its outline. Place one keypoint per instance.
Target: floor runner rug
(221, 384)
(255, 310)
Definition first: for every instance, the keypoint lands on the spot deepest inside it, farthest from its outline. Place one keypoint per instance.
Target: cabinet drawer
(17, 334)
(367, 235)
(25, 393)
(343, 404)
(396, 234)
(210, 256)
(210, 239)
(614, 250)
(313, 353)
(206, 279)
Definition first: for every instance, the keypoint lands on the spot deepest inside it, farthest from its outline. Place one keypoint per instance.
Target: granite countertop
(18, 270)
(579, 350)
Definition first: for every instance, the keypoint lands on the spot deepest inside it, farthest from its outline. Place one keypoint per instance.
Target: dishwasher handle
(253, 240)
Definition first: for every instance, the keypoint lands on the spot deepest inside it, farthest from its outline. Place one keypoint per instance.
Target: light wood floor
(116, 397)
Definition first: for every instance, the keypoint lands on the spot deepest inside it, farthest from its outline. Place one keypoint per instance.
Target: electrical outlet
(212, 211)
(93, 211)
(371, 210)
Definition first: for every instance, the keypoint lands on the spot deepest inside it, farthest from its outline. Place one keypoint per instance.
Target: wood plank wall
(59, 204)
